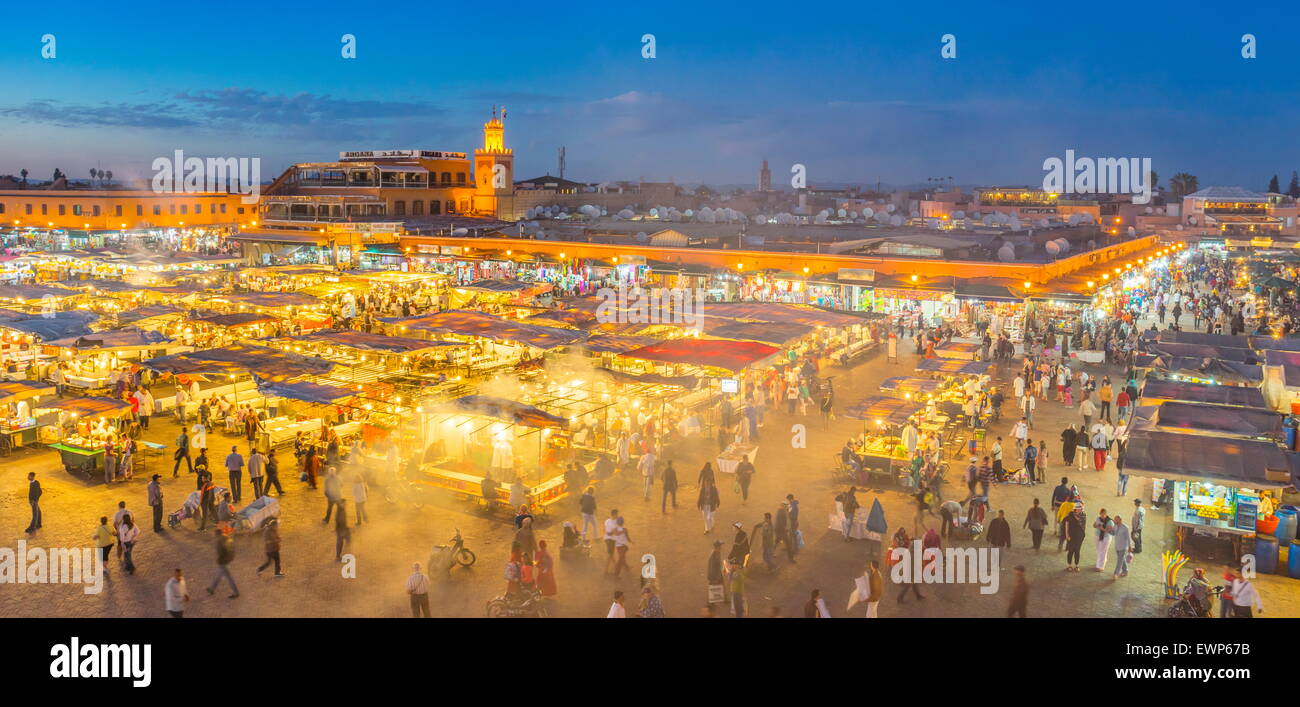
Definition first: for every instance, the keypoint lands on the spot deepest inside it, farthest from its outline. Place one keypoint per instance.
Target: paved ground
(400, 535)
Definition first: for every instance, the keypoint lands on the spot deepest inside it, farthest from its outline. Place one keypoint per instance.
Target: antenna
(561, 163)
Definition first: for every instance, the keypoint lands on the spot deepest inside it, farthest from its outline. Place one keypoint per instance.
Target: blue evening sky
(855, 91)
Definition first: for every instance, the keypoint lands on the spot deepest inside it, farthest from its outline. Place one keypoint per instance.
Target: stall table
(734, 454)
(79, 459)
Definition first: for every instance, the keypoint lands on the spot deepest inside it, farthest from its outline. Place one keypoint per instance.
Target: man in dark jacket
(716, 574)
(783, 532)
(669, 480)
(225, 554)
(1060, 495)
(156, 501)
(33, 498)
(1000, 531)
(739, 546)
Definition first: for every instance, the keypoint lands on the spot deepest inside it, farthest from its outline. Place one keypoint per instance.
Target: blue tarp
(272, 364)
(304, 391)
(509, 410)
(48, 329)
(116, 339)
(498, 286)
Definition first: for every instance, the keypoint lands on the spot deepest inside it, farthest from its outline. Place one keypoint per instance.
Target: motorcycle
(1188, 608)
(526, 603)
(445, 557)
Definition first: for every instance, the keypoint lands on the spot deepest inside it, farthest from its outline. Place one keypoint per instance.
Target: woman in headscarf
(545, 571)
(1068, 444)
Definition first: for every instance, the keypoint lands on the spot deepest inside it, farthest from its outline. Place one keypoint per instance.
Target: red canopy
(717, 353)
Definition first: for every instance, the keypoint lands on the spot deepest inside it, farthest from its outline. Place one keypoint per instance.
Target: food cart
(82, 430)
(18, 422)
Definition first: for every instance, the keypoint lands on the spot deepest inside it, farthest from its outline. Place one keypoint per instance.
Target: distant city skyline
(858, 95)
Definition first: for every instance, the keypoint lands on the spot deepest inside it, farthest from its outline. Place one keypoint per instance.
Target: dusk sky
(856, 93)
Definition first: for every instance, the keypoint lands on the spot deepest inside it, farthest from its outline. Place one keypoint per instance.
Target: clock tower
(494, 171)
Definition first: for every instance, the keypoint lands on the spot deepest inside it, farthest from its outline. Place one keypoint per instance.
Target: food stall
(82, 430)
(17, 419)
(881, 445)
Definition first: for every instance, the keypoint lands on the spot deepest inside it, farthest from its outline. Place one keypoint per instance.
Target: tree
(1293, 189)
(1183, 184)
(1273, 187)
(1154, 180)
(93, 173)
(24, 173)
(109, 175)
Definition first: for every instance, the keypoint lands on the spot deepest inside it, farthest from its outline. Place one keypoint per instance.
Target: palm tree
(24, 173)
(1183, 184)
(109, 176)
(93, 173)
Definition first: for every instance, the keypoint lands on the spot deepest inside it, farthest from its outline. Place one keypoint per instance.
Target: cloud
(243, 111)
(509, 97)
(640, 114)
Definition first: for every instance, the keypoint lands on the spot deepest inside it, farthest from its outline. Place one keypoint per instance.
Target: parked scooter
(445, 557)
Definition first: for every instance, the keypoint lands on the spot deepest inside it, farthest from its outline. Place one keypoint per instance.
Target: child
(1069, 396)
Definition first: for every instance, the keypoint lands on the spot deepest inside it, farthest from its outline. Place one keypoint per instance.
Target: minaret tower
(494, 171)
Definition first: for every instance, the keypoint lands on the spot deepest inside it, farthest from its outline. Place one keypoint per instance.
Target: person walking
(1073, 535)
(781, 528)
(736, 585)
(1099, 448)
(225, 555)
(1123, 547)
(617, 610)
(128, 533)
(105, 539)
(333, 493)
(999, 532)
(708, 502)
(1083, 447)
(235, 467)
(669, 482)
(417, 589)
(766, 536)
(611, 530)
(272, 475)
(342, 533)
(621, 542)
(1036, 521)
(1031, 460)
(1244, 598)
(716, 575)
(271, 543)
(1087, 409)
(121, 513)
(34, 500)
(359, 495)
(175, 593)
(1106, 394)
(1019, 606)
(1139, 522)
(646, 466)
(256, 471)
(744, 473)
(155, 497)
(706, 475)
(182, 454)
(875, 589)
(587, 507)
(1105, 535)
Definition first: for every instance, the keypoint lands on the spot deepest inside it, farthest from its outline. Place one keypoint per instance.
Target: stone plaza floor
(399, 535)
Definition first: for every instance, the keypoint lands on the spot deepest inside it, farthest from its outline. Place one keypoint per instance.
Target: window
(198, 208)
(446, 177)
(95, 209)
(45, 209)
(29, 209)
(139, 209)
(117, 210)
(171, 209)
(62, 209)
(223, 209)
(240, 210)
(399, 208)
(184, 209)
(2, 207)
(157, 209)
(464, 206)
(76, 210)
(435, 207)
(460, 177)
(451, 206)
(417, 208)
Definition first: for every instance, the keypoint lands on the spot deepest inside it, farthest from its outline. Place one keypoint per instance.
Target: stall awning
(1155, 391)
(304, 391)
(573, 317)
(611, 343)
(714, 353)
(48, 329)
(235, 319)
(13, 391)
(270, 299)
(883, 409)
(1197, 337)
(86, 408)
(1202, 418)
(1233, 462)
(497, 286)
(508, 410)
(954, 366)
(776, 333)
(269, 363)
(1264, 343)
(117, 339)
(906, 384)
(465, 322)
(361, 340)
(29, 293)
(1181, 350)
(778, 312)
(985, 292)
(147, 312)
(114, 286)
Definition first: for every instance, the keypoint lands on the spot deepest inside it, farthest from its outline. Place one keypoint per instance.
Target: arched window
(417, 208)
(399, 208)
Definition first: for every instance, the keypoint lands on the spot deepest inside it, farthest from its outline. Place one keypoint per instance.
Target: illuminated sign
(399, 154)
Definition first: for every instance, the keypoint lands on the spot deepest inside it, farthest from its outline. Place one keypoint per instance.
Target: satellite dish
(626, 214)
(760, 220)
(975, 214)
(689, 213)
(841, 213)
(1006, 253)
(1132, 231)
(1014, 223)
(654, 213)
(1179, 227)
(895, 220)
(1149, 210)
(1191, 220)
(642, 236)
(459, 231)
(990, 220)
(958, 214)
(868, 212)
(1065, 245)
(1092, 245)
(890, 208)
(1053, 248)
(882, 217)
